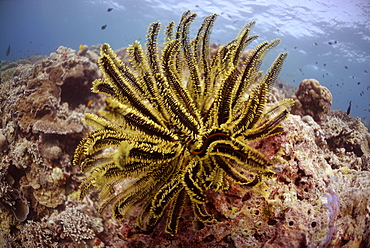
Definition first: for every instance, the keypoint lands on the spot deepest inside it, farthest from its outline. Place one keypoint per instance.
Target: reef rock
(348, 139)
(307, 204)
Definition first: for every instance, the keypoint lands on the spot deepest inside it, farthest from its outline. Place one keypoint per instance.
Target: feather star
(178, 123)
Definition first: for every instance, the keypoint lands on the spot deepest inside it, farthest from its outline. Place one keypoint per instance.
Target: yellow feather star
(179, 122)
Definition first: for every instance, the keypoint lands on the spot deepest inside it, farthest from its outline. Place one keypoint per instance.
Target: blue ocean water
(328, 40)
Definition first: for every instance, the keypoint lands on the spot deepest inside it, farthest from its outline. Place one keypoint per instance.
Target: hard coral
(38, 234)
(3, 142)
(76, 225)
(11, 199)
(70, 228)
(312, 99)
(82, 50)
(44, 87)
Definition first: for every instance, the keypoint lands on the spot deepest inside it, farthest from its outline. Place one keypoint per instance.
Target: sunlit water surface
(326, 40)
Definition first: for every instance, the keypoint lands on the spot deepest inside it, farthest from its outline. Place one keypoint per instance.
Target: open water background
(323, 38)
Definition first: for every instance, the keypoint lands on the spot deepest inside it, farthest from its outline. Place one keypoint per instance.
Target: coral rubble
(318, 197)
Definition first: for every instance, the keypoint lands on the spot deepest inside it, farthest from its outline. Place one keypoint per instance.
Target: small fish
(324, 64)
(335, 42)
(109, 9)
(295, 47)
(346, 67)
(104, 26)
(365, 71)
(349, 108)
(290, 75)
(315, 44)
(300, 70)
(7, 51)
(316, 62)
(330, 43)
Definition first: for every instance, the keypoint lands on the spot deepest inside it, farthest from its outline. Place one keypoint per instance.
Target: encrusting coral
(180, 123)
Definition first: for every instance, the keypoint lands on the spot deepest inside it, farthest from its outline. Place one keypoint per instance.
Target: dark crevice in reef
(75, 93)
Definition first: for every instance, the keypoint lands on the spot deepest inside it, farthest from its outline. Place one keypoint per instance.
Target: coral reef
(58, 83)
(318, 197)
(83, 50)
(347, 139)
(312, 99)
(39, 129)
(308, 204)
(70, 226)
